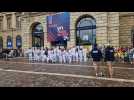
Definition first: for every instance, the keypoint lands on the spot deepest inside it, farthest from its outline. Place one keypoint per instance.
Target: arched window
(37, 35)
(18, 41)
(86, 31)
(9, 42)
(1, 42)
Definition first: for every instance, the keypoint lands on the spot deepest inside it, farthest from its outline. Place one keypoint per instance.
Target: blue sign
(9, 44)
(18, 41)
(58, 27)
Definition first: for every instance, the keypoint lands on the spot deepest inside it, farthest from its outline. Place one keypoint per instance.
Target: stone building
(116, 28)
(10, 28)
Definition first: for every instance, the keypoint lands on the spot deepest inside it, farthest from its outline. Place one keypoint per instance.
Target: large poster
(58, 27)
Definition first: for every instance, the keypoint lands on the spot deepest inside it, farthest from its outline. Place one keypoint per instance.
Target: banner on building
(58, 27)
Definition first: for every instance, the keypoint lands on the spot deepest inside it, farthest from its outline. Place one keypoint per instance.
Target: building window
(18, 41)
(37, 35)
(9, 42)
(18, 22)
(1, 23)
(86, 31)
(9, 22)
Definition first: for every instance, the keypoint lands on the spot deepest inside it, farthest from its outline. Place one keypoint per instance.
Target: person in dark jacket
(96, 54)
(109, 58)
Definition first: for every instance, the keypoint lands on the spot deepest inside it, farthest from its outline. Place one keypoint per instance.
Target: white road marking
(69, 75)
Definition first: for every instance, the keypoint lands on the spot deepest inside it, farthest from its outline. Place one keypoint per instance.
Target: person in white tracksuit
(80, 55)
(64, 56)
(42, 55)
(67, 56)
(30, 54)
(60, 56)
(73, 54)
(133, 57)
(48, 57)
(54, 55)
(70, 56)
(85, 55)
(76, 55)
(38, 55)
(57, 56)
(59, 59)
(34, 53)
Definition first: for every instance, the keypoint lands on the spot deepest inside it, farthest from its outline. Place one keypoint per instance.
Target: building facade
(116, 28)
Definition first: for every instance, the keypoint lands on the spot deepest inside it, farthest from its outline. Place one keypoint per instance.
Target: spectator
(109, 58)
(96, 55)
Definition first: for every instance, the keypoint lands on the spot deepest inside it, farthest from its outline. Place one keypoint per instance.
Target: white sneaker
(100, 74)
(96, 75)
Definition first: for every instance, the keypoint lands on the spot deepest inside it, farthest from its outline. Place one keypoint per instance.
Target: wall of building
(9, 32)
(126, 25)
(113, 28)
(103, 21)
(107, 30)
(27, 24)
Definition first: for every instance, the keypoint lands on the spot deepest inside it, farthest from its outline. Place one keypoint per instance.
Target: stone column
(13, 20)
(4, 29)
(113, 28)
(73, 18)
(101, 30)
(4, 23)
(25, 34)
(14, 27)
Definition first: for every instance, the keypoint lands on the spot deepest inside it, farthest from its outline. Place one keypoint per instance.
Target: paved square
(20, 73)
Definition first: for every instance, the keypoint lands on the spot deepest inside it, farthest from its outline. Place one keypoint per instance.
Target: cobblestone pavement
(34, 80)
(22, 79)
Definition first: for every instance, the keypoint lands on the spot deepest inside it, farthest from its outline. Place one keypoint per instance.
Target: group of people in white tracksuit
(57, 55)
